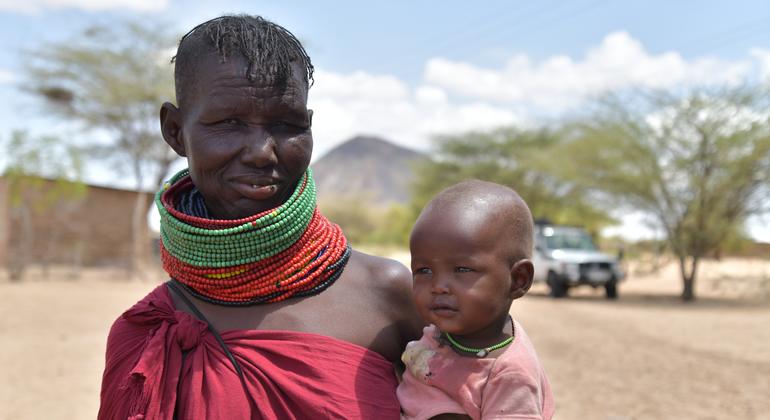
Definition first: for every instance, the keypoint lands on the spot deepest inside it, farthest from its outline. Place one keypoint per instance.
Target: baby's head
(471, 249)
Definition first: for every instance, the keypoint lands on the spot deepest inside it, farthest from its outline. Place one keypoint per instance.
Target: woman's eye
(463, 270)
(229, 121)
(284, 127)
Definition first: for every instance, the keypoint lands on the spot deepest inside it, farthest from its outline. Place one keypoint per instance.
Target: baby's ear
(522, 273)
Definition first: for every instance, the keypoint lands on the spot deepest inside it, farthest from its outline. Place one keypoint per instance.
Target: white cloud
(758, 227)
(34, 6)
(7, 76)
(346, 105)
(454, 97)
(358, 85)
(634, 226)
(763, 57)
(559, 82)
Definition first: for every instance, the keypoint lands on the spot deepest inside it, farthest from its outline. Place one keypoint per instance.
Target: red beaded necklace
(252, 260)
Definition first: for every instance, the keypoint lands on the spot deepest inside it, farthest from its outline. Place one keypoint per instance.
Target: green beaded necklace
(288, 251)
(482, 352)
(241, 242)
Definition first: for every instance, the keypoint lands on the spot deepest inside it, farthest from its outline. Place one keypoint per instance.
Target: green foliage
(30, 159)
(700, 165)
(736, 242)
(111, 79)
(522, 160)
(42, 175)
(366, 225)
(356, 220)
(393, 227)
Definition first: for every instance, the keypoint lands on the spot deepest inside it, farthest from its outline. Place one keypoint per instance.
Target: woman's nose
(259, 148)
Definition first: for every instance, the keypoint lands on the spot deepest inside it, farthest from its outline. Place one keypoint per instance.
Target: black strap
(174, 288)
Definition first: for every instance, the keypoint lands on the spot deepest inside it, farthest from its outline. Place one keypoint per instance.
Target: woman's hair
(269, 48)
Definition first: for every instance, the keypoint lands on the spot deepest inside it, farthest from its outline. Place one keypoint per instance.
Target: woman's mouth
(257, 191)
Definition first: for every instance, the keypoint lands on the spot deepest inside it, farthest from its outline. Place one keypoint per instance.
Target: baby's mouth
(443, 309)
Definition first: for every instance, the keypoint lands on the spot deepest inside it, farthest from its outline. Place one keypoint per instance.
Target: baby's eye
(421, 270)
(463, 269)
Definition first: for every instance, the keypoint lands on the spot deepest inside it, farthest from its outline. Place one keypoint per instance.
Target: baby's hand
(416, 358)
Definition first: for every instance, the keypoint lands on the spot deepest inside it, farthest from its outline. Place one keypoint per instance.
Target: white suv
(566, 256)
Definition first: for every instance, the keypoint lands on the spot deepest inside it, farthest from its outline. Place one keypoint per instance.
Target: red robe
(160, 360)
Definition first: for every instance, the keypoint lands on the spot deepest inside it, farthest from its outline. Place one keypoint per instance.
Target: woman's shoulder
(389, 278)
(385, 271)
(391, 281)
(156, 303)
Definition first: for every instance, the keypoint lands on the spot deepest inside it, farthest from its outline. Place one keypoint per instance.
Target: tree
(522, 160)
(367, 224)
(112, 80)
(355, 218)
(699, 165)
(30, 161)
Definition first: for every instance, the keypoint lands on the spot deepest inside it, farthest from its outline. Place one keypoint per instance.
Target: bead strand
(292, 250)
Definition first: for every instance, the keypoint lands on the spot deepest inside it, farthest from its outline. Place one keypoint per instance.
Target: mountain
(368, 168)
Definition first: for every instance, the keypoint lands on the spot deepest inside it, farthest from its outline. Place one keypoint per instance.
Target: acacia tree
(698, 165)
(112, 80)
(520, 159)
(29, 160)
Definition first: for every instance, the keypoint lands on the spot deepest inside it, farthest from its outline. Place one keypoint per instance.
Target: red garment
(288, 374)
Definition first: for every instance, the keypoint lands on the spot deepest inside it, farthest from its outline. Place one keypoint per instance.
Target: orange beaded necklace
(289, 251)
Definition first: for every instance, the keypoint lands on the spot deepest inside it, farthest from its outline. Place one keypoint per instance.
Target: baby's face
(462, 276)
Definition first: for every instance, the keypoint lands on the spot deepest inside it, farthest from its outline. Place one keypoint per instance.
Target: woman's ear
(171, 127)
(522, 273)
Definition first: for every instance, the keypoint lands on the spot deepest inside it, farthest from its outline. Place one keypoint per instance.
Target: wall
(90, 228)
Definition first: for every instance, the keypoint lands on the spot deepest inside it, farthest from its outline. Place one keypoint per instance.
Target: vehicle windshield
(575, 239)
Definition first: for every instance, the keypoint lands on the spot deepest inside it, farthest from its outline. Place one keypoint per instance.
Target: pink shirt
(438, 380)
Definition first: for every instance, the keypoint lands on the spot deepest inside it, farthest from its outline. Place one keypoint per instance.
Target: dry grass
(645, 356)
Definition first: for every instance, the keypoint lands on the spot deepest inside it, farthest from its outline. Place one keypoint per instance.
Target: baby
(471, 249)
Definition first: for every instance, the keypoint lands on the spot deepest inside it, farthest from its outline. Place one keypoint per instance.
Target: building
(45, 221)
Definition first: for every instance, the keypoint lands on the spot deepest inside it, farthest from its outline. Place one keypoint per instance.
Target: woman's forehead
(212, 75)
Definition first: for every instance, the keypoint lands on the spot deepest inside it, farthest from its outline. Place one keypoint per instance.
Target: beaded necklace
(289, 251)
(482, 352)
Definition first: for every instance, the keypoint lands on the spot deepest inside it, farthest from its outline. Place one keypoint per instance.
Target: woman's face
(247, 143)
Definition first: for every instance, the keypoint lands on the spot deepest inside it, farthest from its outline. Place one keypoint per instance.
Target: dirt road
(651, 357)
(645, 356)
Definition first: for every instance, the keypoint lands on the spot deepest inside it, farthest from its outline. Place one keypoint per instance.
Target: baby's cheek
(419, 300)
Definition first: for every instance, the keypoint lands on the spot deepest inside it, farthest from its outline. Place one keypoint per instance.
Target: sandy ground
(645, 356)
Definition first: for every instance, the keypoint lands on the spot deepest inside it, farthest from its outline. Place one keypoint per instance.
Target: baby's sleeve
(514, 395)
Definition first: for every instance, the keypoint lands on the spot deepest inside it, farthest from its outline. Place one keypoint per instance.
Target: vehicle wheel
(611, 288)
(557, 285)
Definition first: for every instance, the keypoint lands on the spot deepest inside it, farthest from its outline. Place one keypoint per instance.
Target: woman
(268, 313)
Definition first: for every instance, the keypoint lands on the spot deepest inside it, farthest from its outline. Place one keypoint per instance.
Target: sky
(410, 70)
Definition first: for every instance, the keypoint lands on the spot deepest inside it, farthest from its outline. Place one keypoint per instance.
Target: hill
(369, 168)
